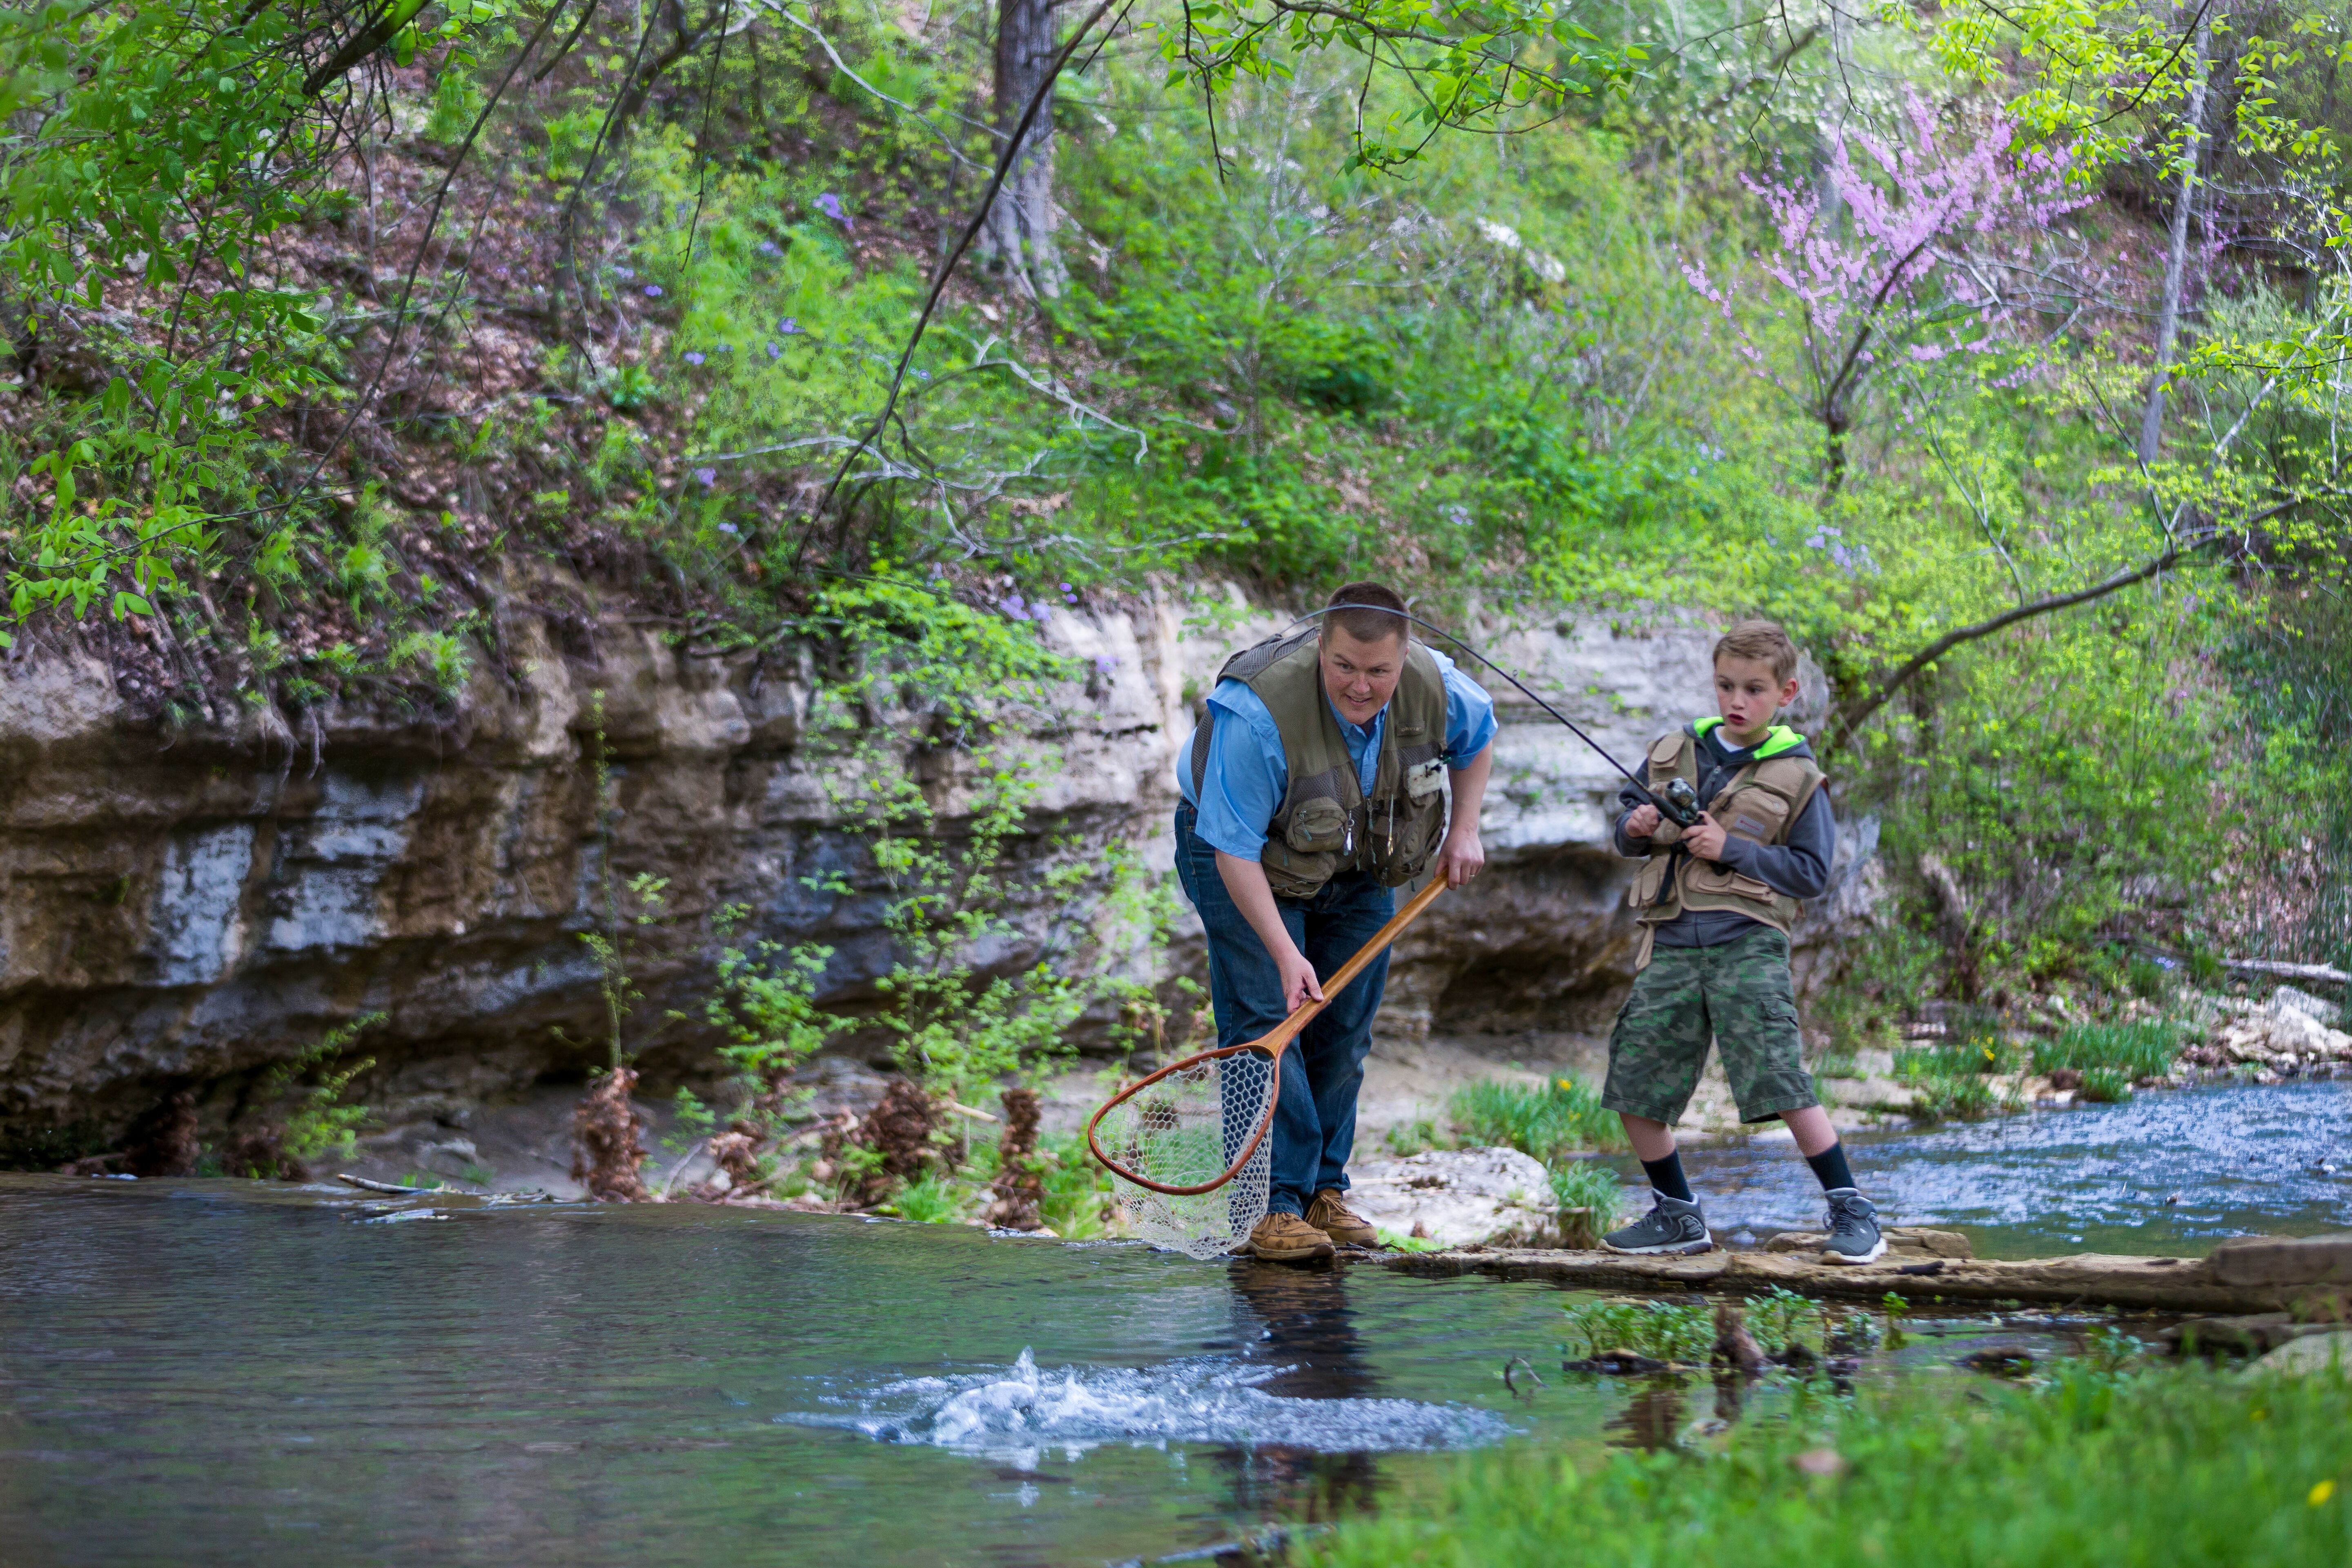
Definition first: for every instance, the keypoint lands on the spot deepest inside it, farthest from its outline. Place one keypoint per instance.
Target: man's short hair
(1759, 640)
(1383, 616)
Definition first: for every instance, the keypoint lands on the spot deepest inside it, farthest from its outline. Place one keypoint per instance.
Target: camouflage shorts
(1737, 995)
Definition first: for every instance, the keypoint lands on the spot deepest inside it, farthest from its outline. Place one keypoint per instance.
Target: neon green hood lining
(1779, 738)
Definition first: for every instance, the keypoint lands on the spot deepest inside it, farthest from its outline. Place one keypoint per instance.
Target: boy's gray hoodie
(1799, 867)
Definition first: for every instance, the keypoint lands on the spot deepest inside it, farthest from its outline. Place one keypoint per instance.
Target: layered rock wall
(185, 909)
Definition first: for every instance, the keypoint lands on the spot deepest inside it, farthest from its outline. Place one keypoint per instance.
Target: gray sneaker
(1853, 1229)
(1672, 1226)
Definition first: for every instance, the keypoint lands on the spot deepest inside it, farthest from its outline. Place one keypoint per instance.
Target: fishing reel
(1676, 801)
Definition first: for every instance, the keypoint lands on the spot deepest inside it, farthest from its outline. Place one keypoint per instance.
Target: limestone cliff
(184, 908)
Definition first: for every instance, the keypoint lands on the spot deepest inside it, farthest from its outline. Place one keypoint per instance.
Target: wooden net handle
(1272, 1043)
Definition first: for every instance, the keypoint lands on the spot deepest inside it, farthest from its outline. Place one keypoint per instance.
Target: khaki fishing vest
(1760, 804)
(1327, 824)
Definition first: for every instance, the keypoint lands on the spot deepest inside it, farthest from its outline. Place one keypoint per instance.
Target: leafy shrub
(1780, 1317)
(2135, 1051)
(1557, 1118)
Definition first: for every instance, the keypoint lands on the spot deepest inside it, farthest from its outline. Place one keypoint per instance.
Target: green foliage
(2183, 1466)
(1780, 1318)
(1078, 1195)
(691, 1121)
(2105, 1086)
(1557, 1118)
(317, 1121)
(929, 1200)
(765, 1001)
(1589, 1185)
(2137, 1051)
(1662, 1330)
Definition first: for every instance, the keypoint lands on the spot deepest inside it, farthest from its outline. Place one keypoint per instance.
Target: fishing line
(1681, 804)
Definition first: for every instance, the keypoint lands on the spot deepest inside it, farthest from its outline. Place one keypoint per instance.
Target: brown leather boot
(1286, 1238)
(1330, 1215)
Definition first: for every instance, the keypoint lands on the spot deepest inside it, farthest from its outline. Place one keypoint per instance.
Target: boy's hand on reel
(1705, 837)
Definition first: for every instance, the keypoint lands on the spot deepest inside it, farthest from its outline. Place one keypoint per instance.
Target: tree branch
(1852, 720)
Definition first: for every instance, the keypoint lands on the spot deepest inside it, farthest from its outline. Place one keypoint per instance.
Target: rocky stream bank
(187, 908)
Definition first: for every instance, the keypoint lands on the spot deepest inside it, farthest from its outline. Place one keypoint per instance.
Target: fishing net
(1189, 1129)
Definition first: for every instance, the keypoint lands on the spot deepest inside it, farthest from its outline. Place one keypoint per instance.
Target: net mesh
(1188, 1129)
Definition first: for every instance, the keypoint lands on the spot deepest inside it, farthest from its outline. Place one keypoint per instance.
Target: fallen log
(2318, 973)
(2252, 1274)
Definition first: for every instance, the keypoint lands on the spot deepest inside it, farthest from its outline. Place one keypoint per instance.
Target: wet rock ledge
(2307, 1275)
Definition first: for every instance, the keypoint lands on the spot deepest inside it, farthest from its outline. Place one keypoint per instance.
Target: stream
(228, 1371)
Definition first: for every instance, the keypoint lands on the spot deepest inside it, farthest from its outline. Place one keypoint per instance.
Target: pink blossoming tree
(1917, 252)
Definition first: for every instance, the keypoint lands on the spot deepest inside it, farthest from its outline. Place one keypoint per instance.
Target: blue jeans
(1315, 1119)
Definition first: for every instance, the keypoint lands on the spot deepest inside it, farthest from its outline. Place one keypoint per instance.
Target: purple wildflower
(775, 350)
(788, 326)
(623, 272)
(770, 247)
(1041, 614)
(727, 348)
(1013, 604)
(1105, 663)
(653, 290)
(706, 477)
(830, 206)
(693, 357)
(727, 528)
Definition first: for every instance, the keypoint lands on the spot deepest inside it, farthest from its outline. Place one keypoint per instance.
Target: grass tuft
(1550, 1120)
(2135, 1051)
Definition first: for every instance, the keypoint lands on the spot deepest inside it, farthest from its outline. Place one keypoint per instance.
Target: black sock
(1666, 1175)
(1830, 1166)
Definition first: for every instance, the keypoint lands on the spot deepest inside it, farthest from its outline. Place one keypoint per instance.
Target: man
(1314, 786)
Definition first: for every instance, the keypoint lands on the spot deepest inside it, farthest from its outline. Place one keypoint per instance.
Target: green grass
(1076, 1188)
(1557, 1118)
(2174, 1466)
(2136, 1050)
(1588, 1185)
(2105, 1086)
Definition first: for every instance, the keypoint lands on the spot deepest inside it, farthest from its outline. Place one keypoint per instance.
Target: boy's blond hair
(1758, 640)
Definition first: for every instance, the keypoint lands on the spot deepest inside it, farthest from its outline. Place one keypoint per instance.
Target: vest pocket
(1293, 876)
(1318, 825)
(1754, 815)
(1709, 877)
(1648, 882)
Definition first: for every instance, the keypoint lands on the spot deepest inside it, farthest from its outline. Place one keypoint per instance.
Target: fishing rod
(1676, 800)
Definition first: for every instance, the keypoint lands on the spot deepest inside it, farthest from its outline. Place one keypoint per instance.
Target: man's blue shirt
(1248, 776)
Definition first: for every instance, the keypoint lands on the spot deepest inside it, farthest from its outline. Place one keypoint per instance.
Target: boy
(1715, 903)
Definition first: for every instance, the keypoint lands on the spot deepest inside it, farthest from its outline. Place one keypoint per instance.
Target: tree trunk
(2176, 261)
(1019, 237)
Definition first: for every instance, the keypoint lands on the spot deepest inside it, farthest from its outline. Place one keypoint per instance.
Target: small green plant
(932, 1200)
(319, 1122)
(1396, 1243)
(1550, 1120)
(1414, 1137)
(1662, 1330)
(2105, 1086)
(1589, 1185)
(2109, 1348)
(691, 1121)
(1780, 1317)
(1078, 1192)
(1896, 1308)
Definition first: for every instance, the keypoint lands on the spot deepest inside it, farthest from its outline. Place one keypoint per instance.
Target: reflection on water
(2167, 1172)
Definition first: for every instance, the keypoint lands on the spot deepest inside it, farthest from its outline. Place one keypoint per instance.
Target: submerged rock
(1459, 1197)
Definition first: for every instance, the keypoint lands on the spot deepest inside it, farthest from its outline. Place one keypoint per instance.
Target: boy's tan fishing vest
(1760, 804)
(1327, 824)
